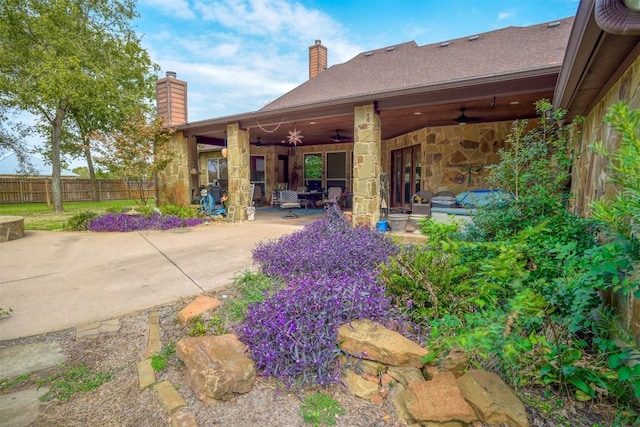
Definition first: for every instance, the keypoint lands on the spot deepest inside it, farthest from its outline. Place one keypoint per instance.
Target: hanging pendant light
(225, 151)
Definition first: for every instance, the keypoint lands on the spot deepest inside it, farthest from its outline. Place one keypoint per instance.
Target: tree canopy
(76, 65)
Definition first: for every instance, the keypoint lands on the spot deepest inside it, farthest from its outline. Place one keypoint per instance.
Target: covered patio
(415, 117)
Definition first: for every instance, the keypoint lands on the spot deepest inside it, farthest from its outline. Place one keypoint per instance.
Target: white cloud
(504, 15)
(175, 8)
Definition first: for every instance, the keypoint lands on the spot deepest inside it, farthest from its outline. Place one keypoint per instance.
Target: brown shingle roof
(404, 66)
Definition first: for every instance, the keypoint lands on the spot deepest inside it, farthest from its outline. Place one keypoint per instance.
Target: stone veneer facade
(174, 182)
(238, 169)
(590, 180)
(453, 157)
(366, 166)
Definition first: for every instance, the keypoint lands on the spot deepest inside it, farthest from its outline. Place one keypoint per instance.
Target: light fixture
(259, 142)
(462, 119)
(337, 137)
(225, 151)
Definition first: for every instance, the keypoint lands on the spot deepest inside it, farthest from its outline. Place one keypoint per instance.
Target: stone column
(366, 165)
(238, 159)
(174, 181)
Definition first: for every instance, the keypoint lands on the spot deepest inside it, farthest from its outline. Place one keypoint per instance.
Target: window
(313, 171)
(218, 172)
(337, 170)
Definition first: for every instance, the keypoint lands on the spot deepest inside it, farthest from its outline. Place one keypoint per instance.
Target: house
(428, 117)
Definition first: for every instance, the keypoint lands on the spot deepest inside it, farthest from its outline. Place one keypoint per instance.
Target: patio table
(310, 197)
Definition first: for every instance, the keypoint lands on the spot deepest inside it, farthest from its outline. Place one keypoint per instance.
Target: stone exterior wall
(238, 166)
(589, 180)
(366, 166)
(590, 176)
(452, 157)
(174, 185)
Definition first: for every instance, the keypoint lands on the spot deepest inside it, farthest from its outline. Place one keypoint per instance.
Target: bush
(79, 222)
(429, 283)
(331, 272)
(133, 222)
(293, 334)
(327, 247)
(179, 211)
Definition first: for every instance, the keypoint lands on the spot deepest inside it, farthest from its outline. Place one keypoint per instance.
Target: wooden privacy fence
(38, 190)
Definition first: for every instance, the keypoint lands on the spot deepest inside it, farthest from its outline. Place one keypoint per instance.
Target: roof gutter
(574, 58)
(615, 17)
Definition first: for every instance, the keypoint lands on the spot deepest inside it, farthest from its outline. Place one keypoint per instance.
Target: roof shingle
(407, 65)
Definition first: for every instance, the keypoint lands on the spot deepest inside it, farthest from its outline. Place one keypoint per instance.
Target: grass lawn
(39, 216)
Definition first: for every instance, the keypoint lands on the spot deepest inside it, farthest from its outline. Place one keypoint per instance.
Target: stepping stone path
(21, 408)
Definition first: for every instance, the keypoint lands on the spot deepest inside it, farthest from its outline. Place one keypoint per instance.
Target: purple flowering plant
(331, 273)
(292, 335)
(123, 222)
(327, 247)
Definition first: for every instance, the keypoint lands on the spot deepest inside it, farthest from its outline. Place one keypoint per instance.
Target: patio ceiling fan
(260, 143)
(337, 137)
(463, 119)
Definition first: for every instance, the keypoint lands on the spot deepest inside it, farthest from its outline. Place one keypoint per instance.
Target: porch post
(366, 165)
(238, 159)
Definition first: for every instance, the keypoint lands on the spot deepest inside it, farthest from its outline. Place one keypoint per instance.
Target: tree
(65, 61)
(137, 152)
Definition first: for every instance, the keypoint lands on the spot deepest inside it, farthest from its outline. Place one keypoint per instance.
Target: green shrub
(78, 222)
(179, 211)
(320, 409)
(535, 168)
(429, 283)
(160, 362)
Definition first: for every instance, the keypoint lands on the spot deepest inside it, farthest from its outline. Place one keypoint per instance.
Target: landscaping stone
(456, 362)
(154, 346)
(359, 386)
(183, 418)
(146, 374)
(493, 401)
(169, 397)
(21, 408)
(97, 328)
(405, 375)
(401, 408)
(22, 359)
(373, 341)
(199, 306)
(216, 366)
(438, 401)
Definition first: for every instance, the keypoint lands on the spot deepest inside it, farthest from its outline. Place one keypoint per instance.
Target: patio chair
(334, 195)
(289, 201)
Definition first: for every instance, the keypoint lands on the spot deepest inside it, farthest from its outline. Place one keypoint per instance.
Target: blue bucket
(383, 225)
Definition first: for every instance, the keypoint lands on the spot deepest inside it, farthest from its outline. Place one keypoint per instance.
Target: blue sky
(237, 55)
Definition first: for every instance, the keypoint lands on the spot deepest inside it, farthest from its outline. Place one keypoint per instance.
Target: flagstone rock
(373, 341)
(438, 401)
(217, 367)
(456, 361)
(405, 375)
(494, 402)
(359, 386)
(199, 306)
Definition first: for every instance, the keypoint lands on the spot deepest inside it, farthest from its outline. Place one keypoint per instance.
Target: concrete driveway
(58, 280)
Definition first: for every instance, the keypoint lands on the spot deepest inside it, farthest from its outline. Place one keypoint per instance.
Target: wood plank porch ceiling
(401, 114)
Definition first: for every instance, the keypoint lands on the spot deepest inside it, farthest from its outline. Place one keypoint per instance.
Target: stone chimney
(171, 100)
(317, 59)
